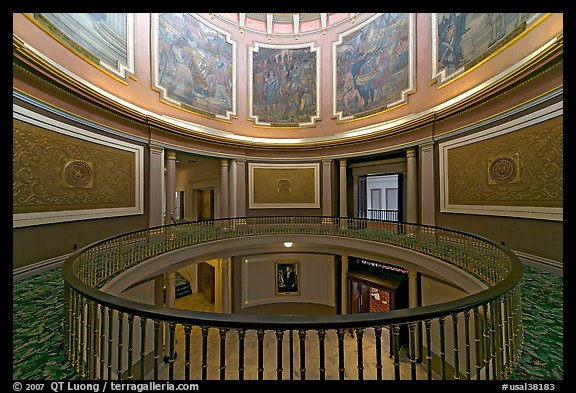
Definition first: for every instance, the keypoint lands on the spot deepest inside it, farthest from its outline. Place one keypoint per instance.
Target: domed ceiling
(286, 79)
(286, 24)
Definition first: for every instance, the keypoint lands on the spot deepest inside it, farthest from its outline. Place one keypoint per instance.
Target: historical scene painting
(103, 38)
(373, 64)
(285, 89)
(194, 65)
(462, 40)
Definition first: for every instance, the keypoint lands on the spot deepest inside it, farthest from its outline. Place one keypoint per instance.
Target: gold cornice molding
(392, 127)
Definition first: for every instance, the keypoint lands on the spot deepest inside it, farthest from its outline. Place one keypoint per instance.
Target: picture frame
(284, 186)
(287, 278)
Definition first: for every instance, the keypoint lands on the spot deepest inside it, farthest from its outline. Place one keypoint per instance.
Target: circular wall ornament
(503, 170)
(78, 174)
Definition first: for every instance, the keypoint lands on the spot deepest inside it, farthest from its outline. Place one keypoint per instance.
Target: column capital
(410, 153)
(224, 162)
(156, 149)
(426, 147)
(412, 274)
(170, 155)
(342, 162)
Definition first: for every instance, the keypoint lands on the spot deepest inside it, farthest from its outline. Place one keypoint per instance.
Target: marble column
(233, 188)
(427, 194)
(343, 190)
(156, 186)
(223, 197)
(327, 188)
(170, 185)
(411, 187)
(226, 288)
(344, 284)
(240, 187)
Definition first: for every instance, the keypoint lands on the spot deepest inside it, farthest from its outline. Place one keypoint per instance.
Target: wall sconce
(288, 244)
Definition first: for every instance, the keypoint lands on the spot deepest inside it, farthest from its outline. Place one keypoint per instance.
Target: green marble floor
(38, 351)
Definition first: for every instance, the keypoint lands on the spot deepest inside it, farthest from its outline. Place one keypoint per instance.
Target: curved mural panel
(461, 41)
(193, 65)
(284, 84)
(373, 66)
(106, 39)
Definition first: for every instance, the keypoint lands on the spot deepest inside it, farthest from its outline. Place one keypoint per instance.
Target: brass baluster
(143, 322)
(456, 349)
(130, 345)
(156, 348)
(428, 326)
(341, 353)
(321, 338)
(396, 339)
(359, 336)
(241, 337)
(467, 344)
(302, 335)
(205, 330)
(120, 343)
(223, 332)
(172, 349)
(412, 330)
(378, 334)
(279, 336)
(260, 333)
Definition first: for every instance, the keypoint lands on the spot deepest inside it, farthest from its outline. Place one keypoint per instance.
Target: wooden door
(206, 280)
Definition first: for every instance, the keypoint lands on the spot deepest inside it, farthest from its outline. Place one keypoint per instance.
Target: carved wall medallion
(78, 173)
(504, 170)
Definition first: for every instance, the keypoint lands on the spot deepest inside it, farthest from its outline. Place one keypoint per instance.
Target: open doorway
(379, 197)
(205, 204)
(377, 287)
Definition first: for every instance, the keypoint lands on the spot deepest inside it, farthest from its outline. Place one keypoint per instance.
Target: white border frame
(39, 218)
(411, 67)
(256, 48)
(155, 59)
(543, 213)
(314, 205)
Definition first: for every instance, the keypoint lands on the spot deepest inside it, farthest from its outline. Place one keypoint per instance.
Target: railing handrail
(393, 317)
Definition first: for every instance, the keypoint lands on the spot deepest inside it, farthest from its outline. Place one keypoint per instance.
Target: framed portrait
(287, 278)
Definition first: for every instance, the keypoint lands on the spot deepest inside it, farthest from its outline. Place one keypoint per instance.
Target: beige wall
(254, 285)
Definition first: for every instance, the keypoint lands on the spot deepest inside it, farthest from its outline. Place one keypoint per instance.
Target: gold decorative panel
(284, 185)
(515, 171)
(57, 172)
(520, 168)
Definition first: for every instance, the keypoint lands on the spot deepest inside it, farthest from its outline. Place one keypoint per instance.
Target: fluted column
(156, 186)
(223, 197)
(170, 185)
(427, 194)
(327, 188)
(343, 190)
(411, 187)
(344, 284)
(233, 200)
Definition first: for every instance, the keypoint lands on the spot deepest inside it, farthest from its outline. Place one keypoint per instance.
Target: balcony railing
(475, 337)
(378, 214)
